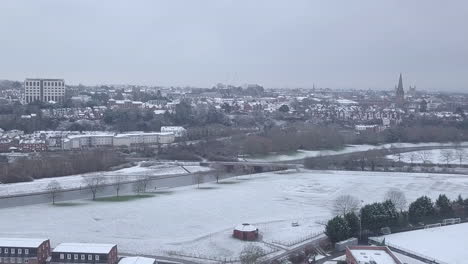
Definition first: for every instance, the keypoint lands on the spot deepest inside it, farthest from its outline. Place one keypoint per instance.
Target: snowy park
(193, 220)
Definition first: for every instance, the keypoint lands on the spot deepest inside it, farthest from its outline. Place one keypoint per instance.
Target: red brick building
(246, 232)
(24, 250)
(32, 145)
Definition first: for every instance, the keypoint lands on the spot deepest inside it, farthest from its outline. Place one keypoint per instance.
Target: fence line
(214, 258)
(296, 241)
(201, 256)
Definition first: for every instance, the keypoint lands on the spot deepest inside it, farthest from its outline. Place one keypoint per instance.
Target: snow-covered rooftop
(137, 260)
(366, 256)
(447, 244)
(21, 242)
(84, 248)
(129, 134)
(246, 228)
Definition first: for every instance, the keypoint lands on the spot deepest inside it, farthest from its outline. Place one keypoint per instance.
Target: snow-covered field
(75, 181)
(435, 156)
(447, 243)
(301, 154)
(199, 221)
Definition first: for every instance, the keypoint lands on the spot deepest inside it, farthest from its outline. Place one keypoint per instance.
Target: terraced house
(24, 250)
(67, 253)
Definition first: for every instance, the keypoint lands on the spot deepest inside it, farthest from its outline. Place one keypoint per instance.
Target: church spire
(400, 83)
(400, 92)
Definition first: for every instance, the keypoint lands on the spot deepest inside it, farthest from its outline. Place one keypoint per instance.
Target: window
(75, 256)
(96, 257)
(62, 256)
(20, 251)
(68, 256)
(12, 251)
(83, 257)
(6, 250)
(26, 251)
(90, 257)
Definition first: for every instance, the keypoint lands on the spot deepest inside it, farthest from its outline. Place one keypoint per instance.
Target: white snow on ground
(434, 156)
(447, 243)
(301, 154)
(75, 181)
(200, 221)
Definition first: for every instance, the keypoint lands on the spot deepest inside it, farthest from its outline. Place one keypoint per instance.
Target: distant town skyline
(277, 44)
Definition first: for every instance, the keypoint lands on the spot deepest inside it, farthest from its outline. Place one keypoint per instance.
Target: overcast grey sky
(289, 43)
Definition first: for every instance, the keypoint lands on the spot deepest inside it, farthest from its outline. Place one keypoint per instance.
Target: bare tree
(54, 188)
(412, 157)
(94, 183)
(141, 185)
(118, 181)
(344, 204)
(460, 154)
(399, 156)
(425, 156)
(397, 197)
(251, 254)
(198, 178)
(218, 170)
(446, 156)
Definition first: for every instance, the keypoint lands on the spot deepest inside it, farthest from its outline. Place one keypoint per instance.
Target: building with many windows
(24, 250)
(67, 253)
(44, 90)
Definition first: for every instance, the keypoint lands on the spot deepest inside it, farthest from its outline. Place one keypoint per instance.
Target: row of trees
(447, 156)
(372, 159)
(416, 132)
(393, 212)
(290, 139)
(10, 118)
(95, 183)
(48, 165)
(147, 120)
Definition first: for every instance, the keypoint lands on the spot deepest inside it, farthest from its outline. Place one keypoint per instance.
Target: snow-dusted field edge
(75, 181)
(301, 154)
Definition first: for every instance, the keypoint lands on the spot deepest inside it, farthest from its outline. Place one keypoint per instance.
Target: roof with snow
(21, 242)
(84, 248)
(136, 260)
(372, 255)
(245, 228)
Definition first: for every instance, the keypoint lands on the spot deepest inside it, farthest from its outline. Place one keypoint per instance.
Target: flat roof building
(370, 255)
(44, 90)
